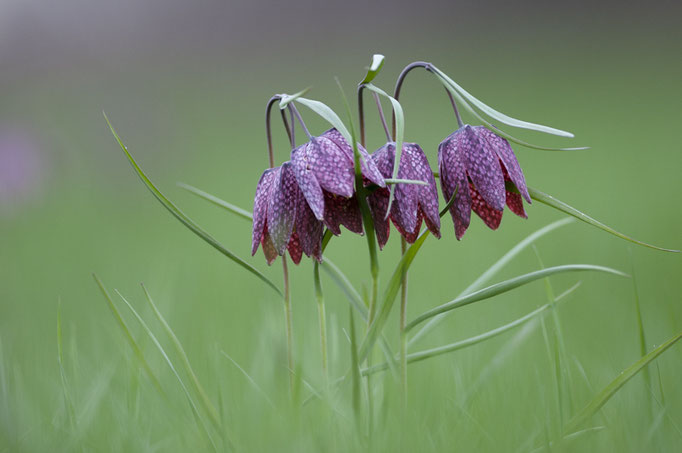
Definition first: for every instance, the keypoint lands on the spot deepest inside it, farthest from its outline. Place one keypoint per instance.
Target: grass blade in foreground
(507, 285)
(208, 406)
(563, 207)
(440, 350)
(492, 271)
(189, 223)
(615, 385)
(126, 332)
(243, 213)
(195, 409)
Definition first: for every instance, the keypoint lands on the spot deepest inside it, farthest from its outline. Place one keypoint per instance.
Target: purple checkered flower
(282, 219)
(481, 164)
(413, 202)
(324, 169)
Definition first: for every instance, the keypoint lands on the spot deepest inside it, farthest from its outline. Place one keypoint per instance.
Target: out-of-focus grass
(96, 216)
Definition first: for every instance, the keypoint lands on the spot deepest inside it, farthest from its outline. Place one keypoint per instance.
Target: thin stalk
(295, 111)
(289, 326)
(403, 334)
(382, 117)
(401, 79)
(285, 272)
(323, 323)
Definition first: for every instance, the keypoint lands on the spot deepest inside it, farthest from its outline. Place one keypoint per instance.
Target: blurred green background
(185, 84)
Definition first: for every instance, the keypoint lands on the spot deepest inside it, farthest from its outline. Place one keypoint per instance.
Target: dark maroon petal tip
(260, 207)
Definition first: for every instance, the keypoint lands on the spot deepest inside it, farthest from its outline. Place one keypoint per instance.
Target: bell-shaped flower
(484, 169)
(413, 202)
(282, 219)
(325, 171)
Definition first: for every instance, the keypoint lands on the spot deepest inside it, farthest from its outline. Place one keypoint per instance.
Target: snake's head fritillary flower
(325, 171)
(413, 202)
(479, 163)
(282, 219)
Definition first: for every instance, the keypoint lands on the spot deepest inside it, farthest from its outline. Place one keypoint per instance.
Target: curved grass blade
(355, 368)
(492, 271)
(563, 207)
(602, 397)
(250, 379)
(126, 333)
(399, 135)
(189, 223)
(195, 409)
(243, 213)
(68, 401)
(505, 286)
(434, 352)
(205, 400)
(288, 98)
(501, 117)
(328, 114)
(374, 68)
(495, 129)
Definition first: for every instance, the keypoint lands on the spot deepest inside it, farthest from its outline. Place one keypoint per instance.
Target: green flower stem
(323, 323)
(403, 334)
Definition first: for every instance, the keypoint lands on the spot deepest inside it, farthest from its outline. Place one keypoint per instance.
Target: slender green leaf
(602, 397)
(399, 135)
(185, 220)
(563, 207)
(243, 213)
(354, 366)
(129, 336)
(193, 406)
(505, 286)
(406, 181)
(205, 400)
(501, 117)
(68, 401)
(492, 271)
(251, 380)
(495, 129)
(327, 114)
(434, 352)
(288, 98)
(374, 68)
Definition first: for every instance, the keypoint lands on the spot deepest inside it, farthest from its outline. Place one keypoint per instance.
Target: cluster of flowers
(315, 189)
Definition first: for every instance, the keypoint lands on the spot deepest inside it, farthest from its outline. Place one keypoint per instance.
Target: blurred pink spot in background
(21, 167)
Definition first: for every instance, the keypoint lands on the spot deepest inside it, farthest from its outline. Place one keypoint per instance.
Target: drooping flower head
(480, 163)
(413, 202)
(282, 219)
(324, 169)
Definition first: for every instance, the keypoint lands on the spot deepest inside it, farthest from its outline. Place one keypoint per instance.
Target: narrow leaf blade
(374, 68)
(185, 220)
(602, 397)
(501, 117)
(234, 209)
(324, 111)
(565, 208)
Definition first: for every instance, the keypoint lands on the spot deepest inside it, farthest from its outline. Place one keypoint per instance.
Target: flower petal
(378, 205)
(268, 248)
(427, 195)
(452, 170)
(410, 236)
(490, 216)
(307, 181)
(260, 207)
(367, 166)
(294, 248)
(308, 228)
(506, 154)
(282, 208)
(515, 203)
(342, 211)
(483, 166)
(331, 166)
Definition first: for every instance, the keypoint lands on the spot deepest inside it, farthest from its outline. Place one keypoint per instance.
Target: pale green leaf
(374, 68)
